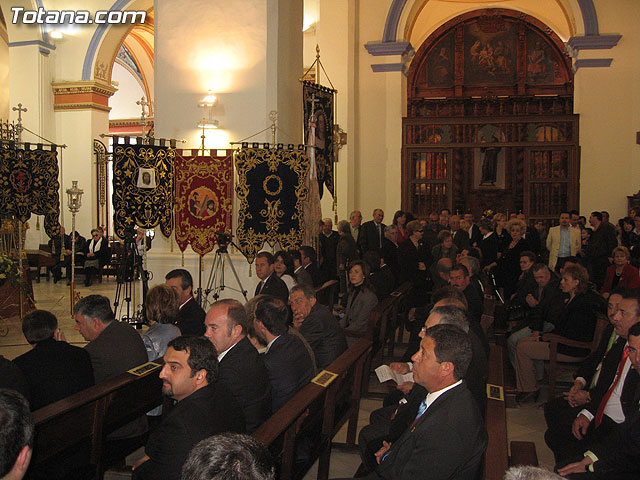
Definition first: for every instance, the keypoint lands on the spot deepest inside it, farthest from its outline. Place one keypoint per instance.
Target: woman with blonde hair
(621, 273)
(500, 228)
(507, 267)
(577, 322)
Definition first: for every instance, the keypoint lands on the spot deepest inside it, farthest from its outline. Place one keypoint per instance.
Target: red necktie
(605, 399)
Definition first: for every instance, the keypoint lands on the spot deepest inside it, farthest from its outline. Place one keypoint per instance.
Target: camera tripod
(130, 268)
(215, 284)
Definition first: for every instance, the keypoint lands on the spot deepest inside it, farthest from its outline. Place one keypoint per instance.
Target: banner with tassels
(143, 178)
(29, 184)
(271, 189)
(318, 116)
(204, 198)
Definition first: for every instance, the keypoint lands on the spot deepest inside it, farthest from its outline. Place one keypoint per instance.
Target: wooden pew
(496, 457)
(326, 293)
(315, 414)
(90, 415)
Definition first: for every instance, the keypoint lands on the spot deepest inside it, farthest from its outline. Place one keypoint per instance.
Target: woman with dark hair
(627, 236)
(362, 299)
(283, 266)
(161, 308)
(400, 222)
(445, 248)
(577, 322)
(346, 252)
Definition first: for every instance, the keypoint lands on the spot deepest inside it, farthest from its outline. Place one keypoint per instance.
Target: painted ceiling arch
(106, 41)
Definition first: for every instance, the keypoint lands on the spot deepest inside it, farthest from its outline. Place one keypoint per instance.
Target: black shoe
(528, 397)
(55, 279)
(68, 282)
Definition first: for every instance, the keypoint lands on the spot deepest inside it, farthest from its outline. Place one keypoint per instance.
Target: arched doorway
(490, 121)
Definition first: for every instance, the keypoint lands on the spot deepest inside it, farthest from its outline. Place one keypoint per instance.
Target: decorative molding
(83, 86)
(128, 122)
(591, 63)
(389, 67)
(82, 95)
(593, 42)
(80, 106)
(388, 48)
(28, 43)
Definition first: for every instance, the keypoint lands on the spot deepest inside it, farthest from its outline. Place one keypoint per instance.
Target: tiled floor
(523, 423)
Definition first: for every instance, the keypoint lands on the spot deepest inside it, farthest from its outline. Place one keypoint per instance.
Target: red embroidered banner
(204, 198)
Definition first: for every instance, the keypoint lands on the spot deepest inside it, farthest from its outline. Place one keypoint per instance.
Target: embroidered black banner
(271, 189)
(143, 178)
(29, 184)
(318, 120)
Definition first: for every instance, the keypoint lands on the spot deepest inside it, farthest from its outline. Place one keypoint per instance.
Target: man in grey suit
(114, 348)
(447, 437)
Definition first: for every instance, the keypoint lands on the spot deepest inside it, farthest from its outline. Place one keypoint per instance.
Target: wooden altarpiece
(490, 121)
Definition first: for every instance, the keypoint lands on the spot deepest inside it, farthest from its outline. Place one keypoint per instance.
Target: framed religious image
(489, 161)
(146, 178)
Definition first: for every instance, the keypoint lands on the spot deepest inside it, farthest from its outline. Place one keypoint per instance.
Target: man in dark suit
(447, 437)
(270, 283)
(114, 348)
(302, 275)
(383, 427)
(328, 249)
(53, 368)
(288, 363)
(601, 244)
(489, 244)
(546, 303)
(460, 279)
(308, 260)
(460, 237)
(190, 314)
(618, 454)
(242, 368)
(59, 245)
(317, 325)
(203, 408)
(472, 230)
(372, 233)
(611, 399)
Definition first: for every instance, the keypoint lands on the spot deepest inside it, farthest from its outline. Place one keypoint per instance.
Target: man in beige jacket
(562, 241)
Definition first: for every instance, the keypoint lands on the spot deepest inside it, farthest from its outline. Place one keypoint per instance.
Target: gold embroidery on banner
(272, 215)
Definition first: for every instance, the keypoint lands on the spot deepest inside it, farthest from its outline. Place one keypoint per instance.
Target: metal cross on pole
(143, 115)
(19, 109)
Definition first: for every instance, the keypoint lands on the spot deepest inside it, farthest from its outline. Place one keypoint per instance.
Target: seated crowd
(232, 367)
